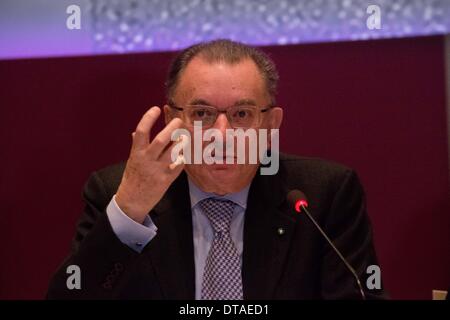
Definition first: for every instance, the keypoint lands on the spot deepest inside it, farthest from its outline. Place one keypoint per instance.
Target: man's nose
(222, 123)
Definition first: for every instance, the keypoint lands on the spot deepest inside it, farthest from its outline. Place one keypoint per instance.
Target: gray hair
(223, 50)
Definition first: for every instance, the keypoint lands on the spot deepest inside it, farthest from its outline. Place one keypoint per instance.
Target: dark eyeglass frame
(174, 106)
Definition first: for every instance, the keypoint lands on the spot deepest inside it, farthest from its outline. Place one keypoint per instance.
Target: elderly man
(155, 229)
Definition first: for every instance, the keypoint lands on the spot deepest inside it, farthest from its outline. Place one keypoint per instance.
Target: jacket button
(118, 266)
(107, 285)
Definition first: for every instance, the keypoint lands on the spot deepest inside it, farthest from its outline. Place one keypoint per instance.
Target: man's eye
(242, 114)
(201, 113)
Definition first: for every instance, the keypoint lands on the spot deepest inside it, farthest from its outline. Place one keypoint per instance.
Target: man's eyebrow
(245, 102)
(238, 103)
(201, 102)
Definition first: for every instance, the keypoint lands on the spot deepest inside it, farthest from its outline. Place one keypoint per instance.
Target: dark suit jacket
(295, 265)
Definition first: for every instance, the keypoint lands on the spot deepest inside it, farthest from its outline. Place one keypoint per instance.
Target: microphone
(299, 202)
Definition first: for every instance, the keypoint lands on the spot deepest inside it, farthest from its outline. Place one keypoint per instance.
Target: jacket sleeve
(104, 261)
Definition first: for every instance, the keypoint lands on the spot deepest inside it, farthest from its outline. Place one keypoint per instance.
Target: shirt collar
(197, 195)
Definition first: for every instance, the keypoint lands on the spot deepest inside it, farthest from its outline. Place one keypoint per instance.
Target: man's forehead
(204, 82)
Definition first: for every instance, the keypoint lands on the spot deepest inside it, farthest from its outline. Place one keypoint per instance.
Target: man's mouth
(223, 159)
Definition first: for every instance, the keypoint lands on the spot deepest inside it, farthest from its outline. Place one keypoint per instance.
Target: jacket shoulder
(313, 173)
(294, 163)
(104, 182)
(112, 174)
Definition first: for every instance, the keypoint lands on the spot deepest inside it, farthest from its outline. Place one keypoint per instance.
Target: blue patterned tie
(222, 278)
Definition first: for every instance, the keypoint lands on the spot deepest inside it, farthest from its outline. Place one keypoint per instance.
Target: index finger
(141, 137)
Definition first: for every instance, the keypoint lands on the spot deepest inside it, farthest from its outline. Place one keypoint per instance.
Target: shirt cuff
(130, 232)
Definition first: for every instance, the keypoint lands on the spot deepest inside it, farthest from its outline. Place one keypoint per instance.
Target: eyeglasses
(246, 116)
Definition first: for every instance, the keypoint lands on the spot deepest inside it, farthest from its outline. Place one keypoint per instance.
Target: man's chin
(222, 166)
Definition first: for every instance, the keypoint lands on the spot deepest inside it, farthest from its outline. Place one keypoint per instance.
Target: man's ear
(168, 116)
(275, 119)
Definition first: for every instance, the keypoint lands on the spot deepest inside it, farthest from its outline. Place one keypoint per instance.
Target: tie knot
(219, 213)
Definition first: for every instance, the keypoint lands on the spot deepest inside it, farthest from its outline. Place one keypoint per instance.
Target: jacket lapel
(268, 230)
(172, 251)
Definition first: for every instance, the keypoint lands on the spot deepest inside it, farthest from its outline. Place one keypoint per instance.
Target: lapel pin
(281, 231)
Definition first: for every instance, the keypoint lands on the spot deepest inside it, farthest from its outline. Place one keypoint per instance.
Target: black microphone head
(296, 199)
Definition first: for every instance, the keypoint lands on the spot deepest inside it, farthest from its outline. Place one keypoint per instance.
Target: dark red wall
(378, 106)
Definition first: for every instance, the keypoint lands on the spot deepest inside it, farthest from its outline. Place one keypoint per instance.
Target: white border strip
(447, 62)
